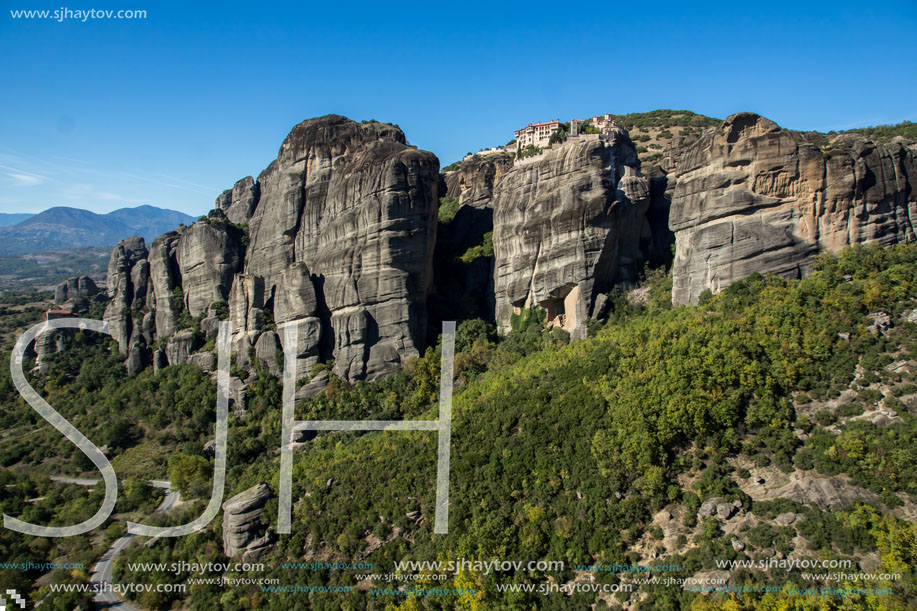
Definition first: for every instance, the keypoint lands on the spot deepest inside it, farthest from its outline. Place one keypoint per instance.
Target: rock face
(209, 254)
(567, 226)
(75, 294)
(243, 533)
(179, 347)
(48, 343)
(355, 206)
(472, 182)
(335, 237)
(182, 274)
(239, 202)
(126, 255)
(164, 275)
(752, 197)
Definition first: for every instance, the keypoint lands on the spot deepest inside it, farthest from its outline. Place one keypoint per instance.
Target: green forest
(604, 451)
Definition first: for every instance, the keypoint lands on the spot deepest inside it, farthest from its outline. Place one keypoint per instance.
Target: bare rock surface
(124, 257)
(165, 278)
(239, 203)
(566, 228)
(472, 182)
(209, 254)
(207, 361)
(76, 292)
(335, 237)
(357, 207)
(752, 197)
(243, 533)
(827, 493)
(179, 347)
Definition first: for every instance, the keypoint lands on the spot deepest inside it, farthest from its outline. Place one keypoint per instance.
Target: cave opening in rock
(560, 308)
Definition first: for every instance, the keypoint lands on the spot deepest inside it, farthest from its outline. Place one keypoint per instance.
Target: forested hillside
(677, 436)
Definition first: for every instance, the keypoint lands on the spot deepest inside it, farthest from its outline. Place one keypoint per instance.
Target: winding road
(102, 573)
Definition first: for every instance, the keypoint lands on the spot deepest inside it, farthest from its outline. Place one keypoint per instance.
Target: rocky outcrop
(209, 254)
(75, 294)
(567, 226)
(752, 197)
(127, 254)
(165, 278)
(207, 361)
(472, 182)
(136, 359)
(335, 238)
(48, 343)
(717, 507)
(243, 532)
(269, 350)
(183, 273)
(827, 493)
(239, 202)
(357, 206)
(179, 347)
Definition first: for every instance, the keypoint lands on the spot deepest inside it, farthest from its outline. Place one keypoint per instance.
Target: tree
(190, 474)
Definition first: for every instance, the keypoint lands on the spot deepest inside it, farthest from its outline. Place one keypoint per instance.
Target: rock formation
(75, 294)
(243, 533)
(335, 237)
(354, 207)
(73, 297)
(239, 202)
(472, 182)
(464, 289)
(183, 273)
(209, 254)
(126, 255)
(567, 226)
(164, 275)
(752, 197)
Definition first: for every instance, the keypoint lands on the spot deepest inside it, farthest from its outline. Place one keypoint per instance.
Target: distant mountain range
(7, 219)
(63, 227)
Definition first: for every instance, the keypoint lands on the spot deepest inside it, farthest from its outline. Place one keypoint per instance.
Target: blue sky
(172, 109)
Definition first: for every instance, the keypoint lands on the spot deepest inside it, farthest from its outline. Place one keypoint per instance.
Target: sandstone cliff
(354, 208)
(752, 197)
(336, 237)
(567, 226)
(472, 182)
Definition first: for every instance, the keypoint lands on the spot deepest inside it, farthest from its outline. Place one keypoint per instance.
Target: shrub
(448, 207)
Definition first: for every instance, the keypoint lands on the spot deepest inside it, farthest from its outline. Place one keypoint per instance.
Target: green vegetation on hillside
(665, 118)
(884, 133)
(562, 451)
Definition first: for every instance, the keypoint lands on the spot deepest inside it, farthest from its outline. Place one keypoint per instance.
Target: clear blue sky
(172, 109)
